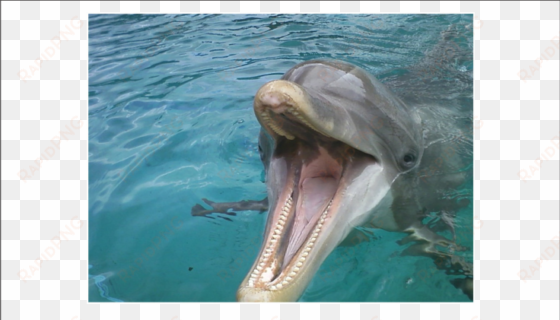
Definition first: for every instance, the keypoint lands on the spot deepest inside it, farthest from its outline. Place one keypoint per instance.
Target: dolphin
(334, 142)
(340, 151)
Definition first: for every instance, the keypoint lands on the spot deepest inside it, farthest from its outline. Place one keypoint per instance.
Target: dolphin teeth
(305, 254)
(279, 286)
(292, 274)
(273, 288)
(299, 264)
(277, 231)
(294, 112)
(266, 118)
(296, 269)
(285, 282)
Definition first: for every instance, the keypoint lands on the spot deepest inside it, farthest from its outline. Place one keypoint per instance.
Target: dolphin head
(333, 140)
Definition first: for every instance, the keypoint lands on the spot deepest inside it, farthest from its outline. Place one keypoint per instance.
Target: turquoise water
(171, 122)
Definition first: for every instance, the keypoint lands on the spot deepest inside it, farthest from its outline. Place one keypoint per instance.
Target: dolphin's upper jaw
(284, 109)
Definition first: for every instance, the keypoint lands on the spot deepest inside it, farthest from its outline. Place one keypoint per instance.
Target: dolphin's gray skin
(340, 150)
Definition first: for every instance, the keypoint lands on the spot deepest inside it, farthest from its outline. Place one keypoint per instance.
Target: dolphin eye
(409, 159)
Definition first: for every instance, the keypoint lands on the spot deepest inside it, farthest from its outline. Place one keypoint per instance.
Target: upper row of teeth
(265, 116)
(272, 243)
(294, 112)
(275, 127)
(279, 284)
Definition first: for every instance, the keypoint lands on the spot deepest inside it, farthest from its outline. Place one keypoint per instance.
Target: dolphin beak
(284, 97)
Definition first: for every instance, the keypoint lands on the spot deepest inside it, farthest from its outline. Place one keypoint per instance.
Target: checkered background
(45, 164)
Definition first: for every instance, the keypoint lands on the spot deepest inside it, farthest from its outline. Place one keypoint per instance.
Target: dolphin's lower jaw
(291, 251)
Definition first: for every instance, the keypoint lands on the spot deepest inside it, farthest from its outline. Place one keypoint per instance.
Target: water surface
(171, 122)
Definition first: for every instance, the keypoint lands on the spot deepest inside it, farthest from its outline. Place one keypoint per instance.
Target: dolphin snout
(275, 101)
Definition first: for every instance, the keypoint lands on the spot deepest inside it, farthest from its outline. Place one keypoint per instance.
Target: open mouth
(301, 211)
(314, 171)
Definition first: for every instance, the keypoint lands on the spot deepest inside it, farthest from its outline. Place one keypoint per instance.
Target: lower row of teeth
(279, 284)
(272, 243)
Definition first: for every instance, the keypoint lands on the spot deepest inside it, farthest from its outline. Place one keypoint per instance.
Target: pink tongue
(317, 192)
(314, 196)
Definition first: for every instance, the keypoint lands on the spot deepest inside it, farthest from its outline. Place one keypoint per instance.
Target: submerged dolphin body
(339, 149)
